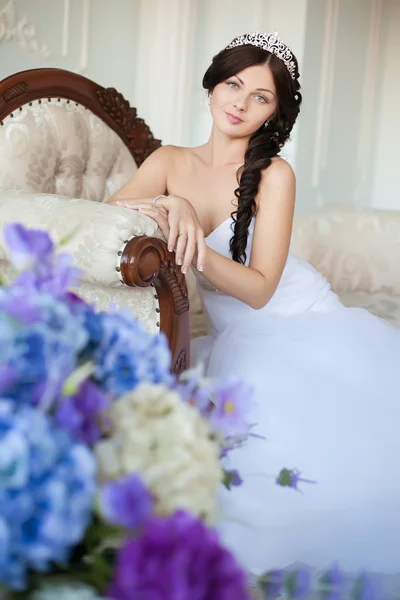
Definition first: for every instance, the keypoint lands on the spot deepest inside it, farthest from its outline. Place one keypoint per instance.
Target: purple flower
(33, 252)
(232, 401)
(298, 584)
(367, 587)
(27, 246)
(18, 305)
(177, 557)
(126, 502)
(332, 583)
(272, 583)
(53, 277)
(291, 478)
(79, 414)
(232, 478)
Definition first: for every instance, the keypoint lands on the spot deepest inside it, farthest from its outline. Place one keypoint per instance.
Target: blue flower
(42, 354)
(47, 486)
(128, 355)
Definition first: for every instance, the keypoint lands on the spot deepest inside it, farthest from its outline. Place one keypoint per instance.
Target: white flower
(65, 591)
(167, 442)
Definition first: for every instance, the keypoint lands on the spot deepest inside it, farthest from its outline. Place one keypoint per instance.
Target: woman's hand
(180, 226)
(186, 233)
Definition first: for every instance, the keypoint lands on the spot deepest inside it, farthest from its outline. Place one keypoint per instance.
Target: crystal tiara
(270, 42)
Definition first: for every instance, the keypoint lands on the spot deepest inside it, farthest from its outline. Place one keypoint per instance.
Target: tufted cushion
(57, 146)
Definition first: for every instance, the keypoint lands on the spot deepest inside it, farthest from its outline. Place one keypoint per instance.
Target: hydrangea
(43, 353)
(126, 502)
(65, 591)
(47, 486)
(127, 354)
(81, 413)
(168, 444)
(178, 557)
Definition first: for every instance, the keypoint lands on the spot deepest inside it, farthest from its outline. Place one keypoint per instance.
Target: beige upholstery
(357, 251)
(97, 233)
(57, 156)
(60, 147)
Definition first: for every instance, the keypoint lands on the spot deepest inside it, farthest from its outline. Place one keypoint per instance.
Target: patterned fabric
(59, 147)
(97, 233)
(357, 251)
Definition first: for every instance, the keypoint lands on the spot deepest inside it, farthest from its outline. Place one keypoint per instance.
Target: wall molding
(368, 102)
(325, 90)
(18, 28)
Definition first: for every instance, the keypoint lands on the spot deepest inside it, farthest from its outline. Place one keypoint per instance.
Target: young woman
(326, 378)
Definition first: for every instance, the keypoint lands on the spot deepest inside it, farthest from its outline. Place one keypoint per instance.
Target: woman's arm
(149, 181)
(256, 284)
(175, 216)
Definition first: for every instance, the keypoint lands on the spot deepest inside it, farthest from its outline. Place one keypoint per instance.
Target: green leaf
(78, 376)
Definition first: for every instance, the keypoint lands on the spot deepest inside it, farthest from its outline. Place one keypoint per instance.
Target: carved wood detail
(139, 138)
(15, 91)
(180, 363)
(146, 258)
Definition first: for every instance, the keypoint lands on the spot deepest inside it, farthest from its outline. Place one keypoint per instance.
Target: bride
(326, 378)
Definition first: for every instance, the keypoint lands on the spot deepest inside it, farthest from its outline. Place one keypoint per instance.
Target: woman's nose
(240, 103)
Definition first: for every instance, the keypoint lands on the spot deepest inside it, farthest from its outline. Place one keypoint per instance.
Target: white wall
(385, 159)
(155, 52)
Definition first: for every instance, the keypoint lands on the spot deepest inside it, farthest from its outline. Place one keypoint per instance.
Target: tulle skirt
(327, 402)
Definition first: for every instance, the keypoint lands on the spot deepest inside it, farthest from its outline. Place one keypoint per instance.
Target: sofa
(66, 145)
(357, 250)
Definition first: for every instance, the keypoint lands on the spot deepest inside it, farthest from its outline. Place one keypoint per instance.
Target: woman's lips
(234, 120)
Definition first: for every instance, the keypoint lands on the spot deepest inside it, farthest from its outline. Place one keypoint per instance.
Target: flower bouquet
(109, 466)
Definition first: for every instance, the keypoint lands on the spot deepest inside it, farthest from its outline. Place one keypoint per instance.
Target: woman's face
(241, 104)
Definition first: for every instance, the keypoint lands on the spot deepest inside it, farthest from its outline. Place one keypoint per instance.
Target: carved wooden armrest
(147, 261)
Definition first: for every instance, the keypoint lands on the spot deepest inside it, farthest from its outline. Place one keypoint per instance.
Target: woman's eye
(232, 84)
(260, 99)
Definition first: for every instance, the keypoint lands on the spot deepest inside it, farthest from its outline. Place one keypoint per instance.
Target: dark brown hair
(265, 143)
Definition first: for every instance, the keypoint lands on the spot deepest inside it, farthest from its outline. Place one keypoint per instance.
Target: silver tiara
(270, 42)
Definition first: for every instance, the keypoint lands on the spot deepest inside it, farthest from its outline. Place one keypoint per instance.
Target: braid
(261, 149)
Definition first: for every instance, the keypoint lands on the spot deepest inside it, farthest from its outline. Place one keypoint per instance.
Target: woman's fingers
(159, 218)
(190, 249)
(181, 242)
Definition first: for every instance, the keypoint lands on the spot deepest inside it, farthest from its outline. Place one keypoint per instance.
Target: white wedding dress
(327, 402)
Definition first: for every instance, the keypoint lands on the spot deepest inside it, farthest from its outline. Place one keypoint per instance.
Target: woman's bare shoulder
(279, 168)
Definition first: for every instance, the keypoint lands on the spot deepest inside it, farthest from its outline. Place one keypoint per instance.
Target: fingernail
(201, 267)
(117, 202)
(184, 270)
(179, 261)
(170, 248)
